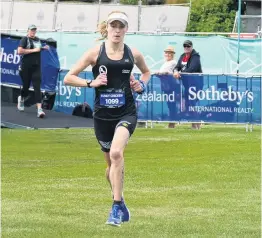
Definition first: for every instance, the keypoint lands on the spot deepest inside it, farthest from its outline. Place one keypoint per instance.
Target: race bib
(112, 99)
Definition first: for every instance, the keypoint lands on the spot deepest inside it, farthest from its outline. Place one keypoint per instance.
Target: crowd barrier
(194, 97)
(213, 98)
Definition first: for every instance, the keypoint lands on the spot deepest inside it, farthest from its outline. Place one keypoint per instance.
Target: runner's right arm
(89, 58)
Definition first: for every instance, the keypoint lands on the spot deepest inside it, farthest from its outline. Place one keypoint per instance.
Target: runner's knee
(116, 155)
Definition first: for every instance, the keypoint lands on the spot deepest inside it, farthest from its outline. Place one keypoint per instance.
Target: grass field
(179, 183)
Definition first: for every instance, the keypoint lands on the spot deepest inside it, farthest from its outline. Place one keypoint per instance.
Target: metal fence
(248, 24)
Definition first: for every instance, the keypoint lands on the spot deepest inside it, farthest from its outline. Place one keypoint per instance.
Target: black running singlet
(114, 100)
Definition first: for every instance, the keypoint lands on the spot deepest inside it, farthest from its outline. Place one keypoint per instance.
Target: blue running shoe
(126, 213)
(115, 216)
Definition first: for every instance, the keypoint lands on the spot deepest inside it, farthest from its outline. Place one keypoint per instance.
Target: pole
(189, 12)
(98, 14)
(139, 9)
(238, 31)
(10, 19)
(55, 14)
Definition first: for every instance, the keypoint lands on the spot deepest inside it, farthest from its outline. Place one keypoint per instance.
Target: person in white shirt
(170, 63)
(168, 87)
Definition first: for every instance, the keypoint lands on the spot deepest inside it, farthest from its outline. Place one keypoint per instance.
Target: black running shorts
(105, 130)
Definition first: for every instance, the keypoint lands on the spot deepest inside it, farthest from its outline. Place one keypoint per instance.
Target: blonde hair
(102, 26)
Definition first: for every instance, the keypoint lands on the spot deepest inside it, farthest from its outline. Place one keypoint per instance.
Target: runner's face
(116, 31)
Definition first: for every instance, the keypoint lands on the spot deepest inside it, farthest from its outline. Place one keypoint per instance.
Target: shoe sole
(20, 109)
(41, 116)
(113, 224)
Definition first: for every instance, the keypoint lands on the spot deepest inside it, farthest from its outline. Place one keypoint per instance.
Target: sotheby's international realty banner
(211, 98)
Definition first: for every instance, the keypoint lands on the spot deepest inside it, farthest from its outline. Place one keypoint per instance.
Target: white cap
(118, 16)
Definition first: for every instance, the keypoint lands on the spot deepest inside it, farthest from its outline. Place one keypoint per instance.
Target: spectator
(170, 64)
(30, 68)
(169, 85)
(189, 62)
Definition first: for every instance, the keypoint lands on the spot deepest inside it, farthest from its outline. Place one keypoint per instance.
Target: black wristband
(88, 82)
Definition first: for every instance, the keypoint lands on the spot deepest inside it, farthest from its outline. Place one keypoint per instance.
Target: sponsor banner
(162, 18)
(210, 98)
(131, 11)
(77, 17)
(10, 61)
(42, 16)
(5, 14)
(222, 98)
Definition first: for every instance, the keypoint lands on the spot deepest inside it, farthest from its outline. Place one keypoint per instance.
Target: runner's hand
(136, 85)
(100, 80)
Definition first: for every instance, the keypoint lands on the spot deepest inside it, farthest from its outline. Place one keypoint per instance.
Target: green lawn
(179, 183)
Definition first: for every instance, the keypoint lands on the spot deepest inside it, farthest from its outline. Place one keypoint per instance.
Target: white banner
(131, 11)
(85, 17)
(5, 13)
(77, 17)
(165, 18)
(40, 14)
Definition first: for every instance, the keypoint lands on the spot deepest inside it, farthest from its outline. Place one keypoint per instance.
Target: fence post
(139, 9)
(98, 12)
(10, 15)
(189, 12)
(55, 15)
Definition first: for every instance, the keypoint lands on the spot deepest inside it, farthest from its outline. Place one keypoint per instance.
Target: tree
(212, 16)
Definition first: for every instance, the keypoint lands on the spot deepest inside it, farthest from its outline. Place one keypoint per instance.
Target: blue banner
(209, 98)
(10, 61)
